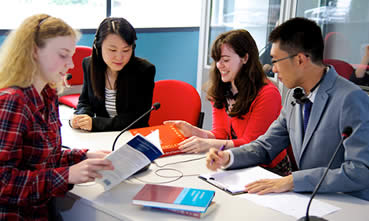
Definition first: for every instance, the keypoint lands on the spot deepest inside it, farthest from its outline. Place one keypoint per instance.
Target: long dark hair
(249, 80)
(125, 30)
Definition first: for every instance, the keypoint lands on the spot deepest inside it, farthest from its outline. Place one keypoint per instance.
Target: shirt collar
(312, 95)
(48, 94)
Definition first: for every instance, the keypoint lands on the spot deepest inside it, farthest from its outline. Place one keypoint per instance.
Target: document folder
(234, 181)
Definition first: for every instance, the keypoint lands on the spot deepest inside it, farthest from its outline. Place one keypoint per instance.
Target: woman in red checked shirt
(33, 167)
(244, 101)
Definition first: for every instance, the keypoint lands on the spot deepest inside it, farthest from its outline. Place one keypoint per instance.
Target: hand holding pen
(217, 158)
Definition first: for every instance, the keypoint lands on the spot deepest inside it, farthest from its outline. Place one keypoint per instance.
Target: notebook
(234, 181)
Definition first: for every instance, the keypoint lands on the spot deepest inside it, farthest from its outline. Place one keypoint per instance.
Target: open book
(137, 153)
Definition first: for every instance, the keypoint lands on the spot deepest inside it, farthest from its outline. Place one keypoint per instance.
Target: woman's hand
(360, 70)
(97, 154)
(199, 145)
(87, 170)
(82, 121)
(189, 130)
(183, 126)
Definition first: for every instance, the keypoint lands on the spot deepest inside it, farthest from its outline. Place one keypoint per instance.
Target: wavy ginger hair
(18, 65)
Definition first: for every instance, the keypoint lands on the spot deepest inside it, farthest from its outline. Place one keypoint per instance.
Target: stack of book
(185, 201)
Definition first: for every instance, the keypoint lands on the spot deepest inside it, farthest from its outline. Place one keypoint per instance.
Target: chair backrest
(178, 101)
(77, 71)
(342, 67)
(336, 46)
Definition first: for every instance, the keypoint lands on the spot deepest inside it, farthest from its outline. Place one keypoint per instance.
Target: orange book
(169, 135)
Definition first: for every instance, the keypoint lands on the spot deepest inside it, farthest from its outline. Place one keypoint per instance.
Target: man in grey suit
(297, 54)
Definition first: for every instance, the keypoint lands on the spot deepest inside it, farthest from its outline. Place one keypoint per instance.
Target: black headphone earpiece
(300, 96)
(94, 47)
(299, 93)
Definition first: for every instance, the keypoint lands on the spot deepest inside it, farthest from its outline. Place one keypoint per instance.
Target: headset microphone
(67, 77)
(299, 93)
(300, 96)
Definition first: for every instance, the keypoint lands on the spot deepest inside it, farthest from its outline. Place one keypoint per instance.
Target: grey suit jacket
(338, 103)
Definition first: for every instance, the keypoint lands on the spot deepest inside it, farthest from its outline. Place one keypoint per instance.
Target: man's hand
(215, 159)
(263, 186)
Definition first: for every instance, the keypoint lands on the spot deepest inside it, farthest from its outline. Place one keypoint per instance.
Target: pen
(221, 149)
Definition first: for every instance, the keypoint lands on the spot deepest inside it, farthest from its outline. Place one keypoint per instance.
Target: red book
(172, 197)
(169, 135)
(199, 215)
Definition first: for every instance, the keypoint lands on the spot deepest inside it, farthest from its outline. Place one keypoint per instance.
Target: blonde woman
(33, 167)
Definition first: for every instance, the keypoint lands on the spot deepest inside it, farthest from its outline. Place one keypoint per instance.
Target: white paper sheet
(290, 203)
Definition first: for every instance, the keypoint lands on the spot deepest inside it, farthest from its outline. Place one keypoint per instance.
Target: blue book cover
(195, 197)
(145, 147)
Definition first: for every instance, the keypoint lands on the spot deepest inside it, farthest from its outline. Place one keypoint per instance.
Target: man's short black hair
(300, 35)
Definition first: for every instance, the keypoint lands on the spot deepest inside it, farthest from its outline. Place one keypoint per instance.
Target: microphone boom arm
(154, 107)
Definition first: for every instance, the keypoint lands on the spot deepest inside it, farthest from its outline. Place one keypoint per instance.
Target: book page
(290, 203)
(128, 159)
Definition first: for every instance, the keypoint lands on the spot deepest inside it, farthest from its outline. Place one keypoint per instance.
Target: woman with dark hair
(244, 101)
(118, 86)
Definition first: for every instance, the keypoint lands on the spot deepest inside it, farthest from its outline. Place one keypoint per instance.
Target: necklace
(108, 79)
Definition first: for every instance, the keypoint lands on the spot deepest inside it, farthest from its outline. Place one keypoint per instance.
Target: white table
(89, 202)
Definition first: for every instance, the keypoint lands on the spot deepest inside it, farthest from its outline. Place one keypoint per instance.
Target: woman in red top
(33, 168)
(244, 101)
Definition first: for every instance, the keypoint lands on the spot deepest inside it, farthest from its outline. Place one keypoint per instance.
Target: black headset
(113, 22)
(300, 96)
(299, 93)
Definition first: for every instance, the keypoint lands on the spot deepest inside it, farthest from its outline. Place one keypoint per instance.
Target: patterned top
(110, 98)
(33, 167)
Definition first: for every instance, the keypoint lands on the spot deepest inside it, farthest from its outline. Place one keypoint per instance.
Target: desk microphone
(153, 107)
(346, 133)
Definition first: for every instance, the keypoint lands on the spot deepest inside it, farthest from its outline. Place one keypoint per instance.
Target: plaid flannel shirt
(33, 167)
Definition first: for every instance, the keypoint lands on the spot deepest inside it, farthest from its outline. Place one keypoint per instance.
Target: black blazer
(135, 86)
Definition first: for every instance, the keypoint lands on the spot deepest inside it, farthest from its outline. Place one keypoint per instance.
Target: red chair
(178, 101)
(71, 100)
(336, 46)
(342, 67)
